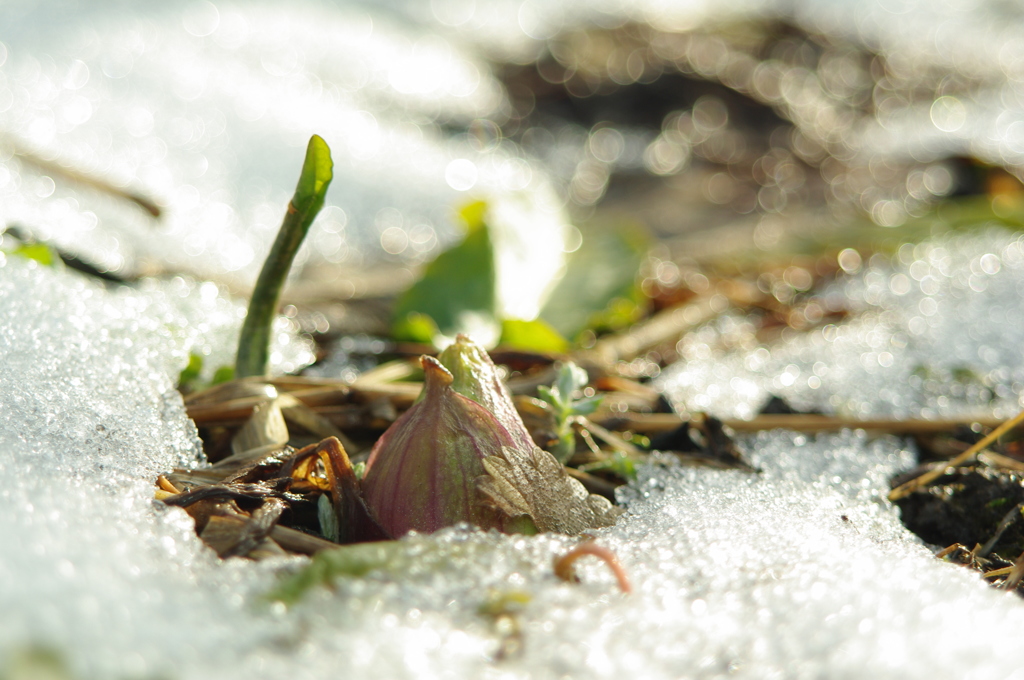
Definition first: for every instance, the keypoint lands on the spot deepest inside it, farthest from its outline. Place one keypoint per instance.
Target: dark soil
(967, 506)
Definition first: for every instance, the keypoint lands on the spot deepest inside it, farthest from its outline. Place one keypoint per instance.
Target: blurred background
(149, 139)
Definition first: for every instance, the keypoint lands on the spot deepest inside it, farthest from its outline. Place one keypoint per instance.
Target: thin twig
(610, 438)
(654, 423)
(1008, 519)
(1015, 575)
(662, 327)
(322, 399)
(907, 488)
(54, 169)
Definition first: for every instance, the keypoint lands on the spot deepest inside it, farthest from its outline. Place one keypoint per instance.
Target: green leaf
(315, 178)
(584, 407)
(359, 469)
(352, 561)
(561, 395)
(190, 374)
(223, 375)
(602, 272)
(40, 252)
(457, 289)
(534, 336)
(34, 663)
(619, 464)
(398, 561)
(329, 528)
(570, 379)
(415, 327)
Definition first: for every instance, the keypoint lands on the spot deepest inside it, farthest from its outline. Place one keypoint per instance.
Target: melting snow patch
(801, 571)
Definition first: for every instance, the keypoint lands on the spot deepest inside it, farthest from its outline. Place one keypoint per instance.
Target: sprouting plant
(254, 341)
(190, 379)
(563, 403)
(619, 464)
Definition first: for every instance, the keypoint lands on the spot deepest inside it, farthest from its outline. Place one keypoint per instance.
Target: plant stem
(254, 340)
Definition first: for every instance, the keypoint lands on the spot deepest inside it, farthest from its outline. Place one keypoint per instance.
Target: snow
(801, 571)
(211, 120)
(931, 338)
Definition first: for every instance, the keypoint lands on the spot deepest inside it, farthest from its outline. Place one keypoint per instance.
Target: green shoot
(254, 341)
(189, 376)
(618, 464)
(560, 397)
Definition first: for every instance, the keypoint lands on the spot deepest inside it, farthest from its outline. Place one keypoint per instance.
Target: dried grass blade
(662, 327)
(654, 423)
(907, 488)
(1004, 524)
(1015, 575)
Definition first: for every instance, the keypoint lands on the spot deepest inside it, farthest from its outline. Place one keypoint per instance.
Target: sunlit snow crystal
(735, 575)
(207, 110)
(933, 337)
(801, 571)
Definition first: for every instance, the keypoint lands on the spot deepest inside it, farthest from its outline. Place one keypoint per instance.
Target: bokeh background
(713, 128)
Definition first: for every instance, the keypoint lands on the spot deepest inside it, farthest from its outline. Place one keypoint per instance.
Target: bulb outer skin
(422, 472)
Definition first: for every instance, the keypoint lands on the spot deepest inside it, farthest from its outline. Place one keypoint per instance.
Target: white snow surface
(734, 574)
(207, 110)
(933, 336)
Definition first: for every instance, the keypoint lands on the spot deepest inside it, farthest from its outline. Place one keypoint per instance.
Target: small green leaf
(329, 528)
(34, 663)
(586, 406)
(505, 602)
(571, 378)
(315, 178)
(534, 336)
(620, 313)
(523, 524)
(40, 252)
(415, 327)
(190, 374)
(561, 396)
(359, 469)
(602, 272)
(619, 464)
(352, 561)
(457, 289)
(223, 375)
(996, 503)
(643, 441)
